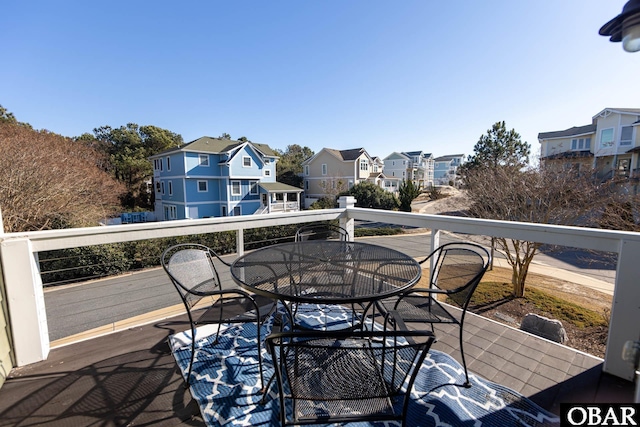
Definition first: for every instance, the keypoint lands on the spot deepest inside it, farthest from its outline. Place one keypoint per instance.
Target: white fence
(26, 301)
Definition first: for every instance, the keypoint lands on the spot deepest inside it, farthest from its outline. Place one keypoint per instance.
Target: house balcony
(124, 372)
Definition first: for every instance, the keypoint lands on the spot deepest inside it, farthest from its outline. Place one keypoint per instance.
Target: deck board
(131, 378)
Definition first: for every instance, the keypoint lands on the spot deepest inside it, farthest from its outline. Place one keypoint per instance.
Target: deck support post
(25, 301)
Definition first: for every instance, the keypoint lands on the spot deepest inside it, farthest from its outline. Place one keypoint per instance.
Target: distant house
(445, 169)
(610, 145)
(416, 166)
(329, 172)
(213, 177)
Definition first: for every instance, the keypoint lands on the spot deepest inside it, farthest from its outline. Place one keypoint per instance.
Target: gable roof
(449, 157)
(207, 144)
(344, 155)
(397, 155)
(573, 131)
(619, 110)
(352, 154)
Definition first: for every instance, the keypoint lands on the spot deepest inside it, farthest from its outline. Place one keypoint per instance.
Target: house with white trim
(330, 172)
(445, 169)
(609, 145)
(416, 166)
(214, 177)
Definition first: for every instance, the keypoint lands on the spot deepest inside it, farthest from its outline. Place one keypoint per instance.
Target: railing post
(345, 202)
(625, 311)
(240, 242)
(435, 242)
(25, 301)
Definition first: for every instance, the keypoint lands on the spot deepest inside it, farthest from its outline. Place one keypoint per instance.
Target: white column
(625, 312)
(435, 243)
(346, 202)
(25, 301)
(240, 242)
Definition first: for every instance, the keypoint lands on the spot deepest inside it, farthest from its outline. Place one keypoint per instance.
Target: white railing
(26, 301)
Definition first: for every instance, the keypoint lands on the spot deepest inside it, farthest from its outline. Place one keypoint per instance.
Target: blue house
(445, 169)
(213, 177)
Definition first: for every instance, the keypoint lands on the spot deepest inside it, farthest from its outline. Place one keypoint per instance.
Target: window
(254, 188)
(267, 172)
(581, 144)
(306, 185)
(306, 170)
(203, 186)
(224, 211)
(324, 169)
(170, 188)
(246, 162)
(170, 212)
(203, 159)
(157, 164)
(235, 188)
(237, 211)
(157, 186)
(168, 163)
(606, 138)
(626, 134)
(162, 187)
(364, 165)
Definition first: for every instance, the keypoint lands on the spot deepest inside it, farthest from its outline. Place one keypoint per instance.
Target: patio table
(326, 272)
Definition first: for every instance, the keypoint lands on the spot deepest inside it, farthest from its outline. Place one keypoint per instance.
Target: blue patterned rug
(225, 383)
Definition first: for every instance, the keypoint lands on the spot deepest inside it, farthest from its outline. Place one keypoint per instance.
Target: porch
(109, 376)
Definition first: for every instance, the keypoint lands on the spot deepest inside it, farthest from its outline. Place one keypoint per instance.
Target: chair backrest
(321, 231)
(458, 269)
(192, 271)
(347, 375)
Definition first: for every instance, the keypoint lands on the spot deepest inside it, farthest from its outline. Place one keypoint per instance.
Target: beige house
(329, 172)
(610, 145)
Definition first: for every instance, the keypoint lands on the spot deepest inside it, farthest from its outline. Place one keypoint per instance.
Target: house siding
(6, 362)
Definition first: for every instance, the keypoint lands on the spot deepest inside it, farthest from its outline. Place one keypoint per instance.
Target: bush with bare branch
(533, 195)
(49, 181)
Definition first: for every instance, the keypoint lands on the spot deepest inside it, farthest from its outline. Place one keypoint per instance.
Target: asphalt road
(82, 307)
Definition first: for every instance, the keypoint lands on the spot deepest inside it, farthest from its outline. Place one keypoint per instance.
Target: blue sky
(383, 75)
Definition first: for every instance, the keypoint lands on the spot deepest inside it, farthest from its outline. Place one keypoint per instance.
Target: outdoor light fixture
(625, 27)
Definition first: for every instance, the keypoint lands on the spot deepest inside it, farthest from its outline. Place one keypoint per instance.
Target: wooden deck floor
(130, 377)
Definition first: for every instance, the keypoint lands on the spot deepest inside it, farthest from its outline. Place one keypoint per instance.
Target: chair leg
(466, 384)
(193, 353)
(260, 354)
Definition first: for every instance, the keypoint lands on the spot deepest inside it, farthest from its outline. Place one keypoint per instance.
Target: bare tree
(49, 181)
(534, 195)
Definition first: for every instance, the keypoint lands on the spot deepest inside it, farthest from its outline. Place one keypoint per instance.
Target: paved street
(77, 308)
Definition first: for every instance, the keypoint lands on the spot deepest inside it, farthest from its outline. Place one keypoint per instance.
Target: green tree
(407, 192)
(7, 117)
(289, 166)
(129, 148)
(369, 195)
(498, 147)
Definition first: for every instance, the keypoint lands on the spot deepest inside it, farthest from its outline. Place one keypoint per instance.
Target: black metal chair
(321, 231)
(192, 270)
(457, 271)
(337, 377)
